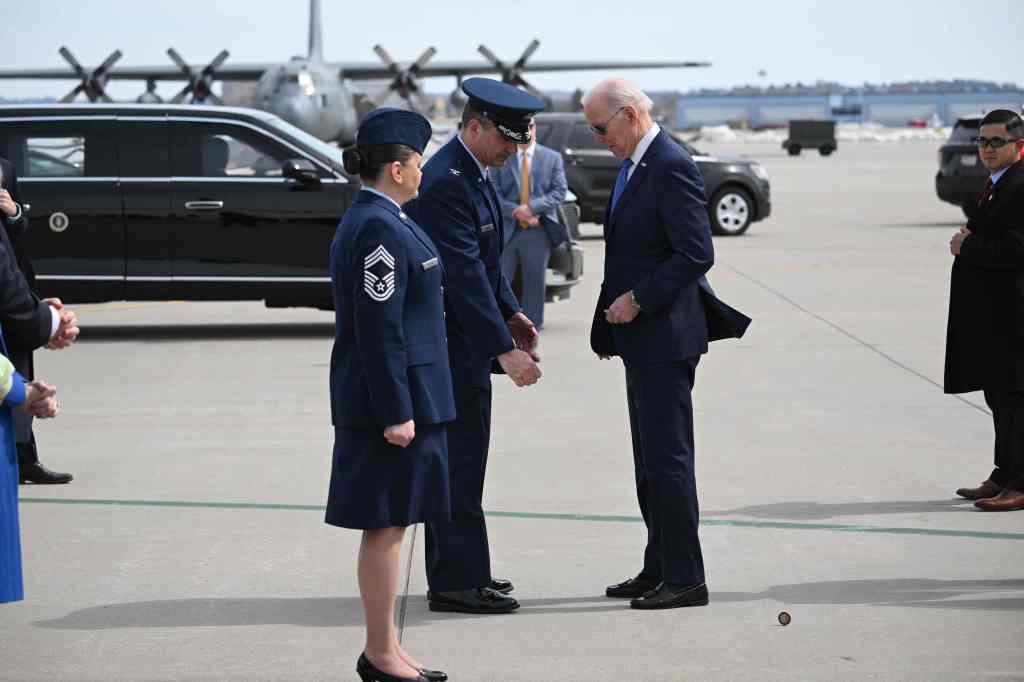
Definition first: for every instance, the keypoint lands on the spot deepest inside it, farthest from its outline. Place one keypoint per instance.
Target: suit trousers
(1008, 422)
(661, 421)
(457, 553)
(529, 251)
(26, 440)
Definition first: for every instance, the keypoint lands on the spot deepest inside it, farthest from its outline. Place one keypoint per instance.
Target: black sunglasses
(993, 142)
(602, 129)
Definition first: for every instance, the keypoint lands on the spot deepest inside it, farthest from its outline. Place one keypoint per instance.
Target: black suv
(158, 202)
(962, 175)
(738, 188)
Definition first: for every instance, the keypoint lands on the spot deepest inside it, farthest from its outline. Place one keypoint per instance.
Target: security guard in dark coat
(459, 208)
(985, 336)
(391, 389)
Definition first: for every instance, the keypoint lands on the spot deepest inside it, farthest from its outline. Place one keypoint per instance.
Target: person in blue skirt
(391, 388)
(39, 400)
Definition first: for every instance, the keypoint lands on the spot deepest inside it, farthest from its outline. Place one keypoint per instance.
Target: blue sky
(792, 40)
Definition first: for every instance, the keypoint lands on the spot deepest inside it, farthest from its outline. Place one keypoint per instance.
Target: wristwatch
(632, 299)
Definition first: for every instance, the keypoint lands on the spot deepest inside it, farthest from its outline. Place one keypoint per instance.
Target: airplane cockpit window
(215, 150)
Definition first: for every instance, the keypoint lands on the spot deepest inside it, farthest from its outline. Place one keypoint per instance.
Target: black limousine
(179, 202)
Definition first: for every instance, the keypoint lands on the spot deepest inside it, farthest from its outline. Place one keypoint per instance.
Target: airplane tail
(316, 32)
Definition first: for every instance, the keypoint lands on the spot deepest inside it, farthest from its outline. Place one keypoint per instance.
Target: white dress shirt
(641, 148)
(483, 168)
(371, 190)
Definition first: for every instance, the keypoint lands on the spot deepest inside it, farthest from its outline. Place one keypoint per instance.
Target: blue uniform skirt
(378, 485)
(10, 542)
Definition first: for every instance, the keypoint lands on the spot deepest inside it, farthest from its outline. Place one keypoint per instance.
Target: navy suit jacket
(390, 358)
(460, 211)
(25, 319)
(547, 191)
(658, 244)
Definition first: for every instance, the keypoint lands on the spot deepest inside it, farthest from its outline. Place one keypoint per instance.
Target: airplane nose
(296, 111)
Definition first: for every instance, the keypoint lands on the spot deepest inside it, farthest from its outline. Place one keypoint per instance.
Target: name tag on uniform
(489, 227)
(430, 264)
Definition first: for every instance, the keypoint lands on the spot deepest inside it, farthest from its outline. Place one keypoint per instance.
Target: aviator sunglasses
(602, 129)
(993, 142)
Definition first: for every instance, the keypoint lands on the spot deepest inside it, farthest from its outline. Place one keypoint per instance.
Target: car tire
(825, 151)
(731, 211)
(793, 149)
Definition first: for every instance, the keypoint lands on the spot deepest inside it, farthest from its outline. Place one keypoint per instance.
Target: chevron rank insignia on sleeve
(379, 274)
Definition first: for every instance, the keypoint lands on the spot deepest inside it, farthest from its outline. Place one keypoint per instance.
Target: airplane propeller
(200, 85)
(405, 81)
(513, 73)
(458, 98)
(150, 96)
(93, 83)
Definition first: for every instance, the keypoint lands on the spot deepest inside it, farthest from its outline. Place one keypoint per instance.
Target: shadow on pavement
(820, 510)
(347, 611)
(215, 332)
(945, 223)
(892, 592)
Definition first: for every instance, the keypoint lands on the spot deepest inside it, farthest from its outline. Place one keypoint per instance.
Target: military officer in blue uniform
(459, 208)
(391, 389)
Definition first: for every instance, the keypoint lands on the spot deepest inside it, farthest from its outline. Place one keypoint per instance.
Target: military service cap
(508, 107)
(388, 125)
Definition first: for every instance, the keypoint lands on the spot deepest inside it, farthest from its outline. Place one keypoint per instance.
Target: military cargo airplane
(314, 95)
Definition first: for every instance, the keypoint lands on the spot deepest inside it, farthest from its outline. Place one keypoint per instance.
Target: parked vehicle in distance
(820, 135)
(961, 176)
(184, 202)
(738, 189)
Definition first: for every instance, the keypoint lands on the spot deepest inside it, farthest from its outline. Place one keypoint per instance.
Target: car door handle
(204, 205)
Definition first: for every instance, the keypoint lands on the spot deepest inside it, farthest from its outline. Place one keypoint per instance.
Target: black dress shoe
(37, 473)
(632, 588)
(480, 600)
(501, 585)
(434, 675)
(672, 596)
(368, 672)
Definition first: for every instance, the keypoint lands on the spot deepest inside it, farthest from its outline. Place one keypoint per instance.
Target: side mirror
(301, 170)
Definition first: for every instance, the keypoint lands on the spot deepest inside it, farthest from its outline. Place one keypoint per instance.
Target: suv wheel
(793, 149)
(731, 211)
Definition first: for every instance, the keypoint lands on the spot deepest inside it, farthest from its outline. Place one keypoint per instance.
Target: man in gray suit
(530, 203)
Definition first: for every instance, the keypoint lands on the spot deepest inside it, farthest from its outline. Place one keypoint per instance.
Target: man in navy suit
(657, 313)
(530, 210)
(15, 224)
(459, 209)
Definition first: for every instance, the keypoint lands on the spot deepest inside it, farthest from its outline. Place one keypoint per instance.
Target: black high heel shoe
(368, 672)
(434, 675)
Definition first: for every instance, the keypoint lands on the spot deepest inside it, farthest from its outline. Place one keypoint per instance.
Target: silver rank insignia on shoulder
(401, 214)
(455, 171)
(379, 274)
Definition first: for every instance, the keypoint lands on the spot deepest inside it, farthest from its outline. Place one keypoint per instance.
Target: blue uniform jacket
(657, 243)
(462, 214)
(390, 358)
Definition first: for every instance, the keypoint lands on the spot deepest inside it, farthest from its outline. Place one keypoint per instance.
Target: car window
(142, 149)
(54, 157)
(543, 132)
(582, 138)
(965, 131)
(61, 149)
(224, 150)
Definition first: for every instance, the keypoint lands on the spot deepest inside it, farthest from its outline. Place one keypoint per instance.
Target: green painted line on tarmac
(589, 518)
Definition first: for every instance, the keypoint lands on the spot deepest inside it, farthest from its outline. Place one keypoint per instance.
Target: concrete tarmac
(191, 545)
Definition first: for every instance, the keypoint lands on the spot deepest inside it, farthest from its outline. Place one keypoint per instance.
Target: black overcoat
(985, 332)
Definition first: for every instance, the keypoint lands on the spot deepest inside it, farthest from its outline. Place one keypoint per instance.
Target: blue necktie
(620, 182)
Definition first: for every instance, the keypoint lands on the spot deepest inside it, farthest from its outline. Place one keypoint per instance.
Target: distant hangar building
(769, 110)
